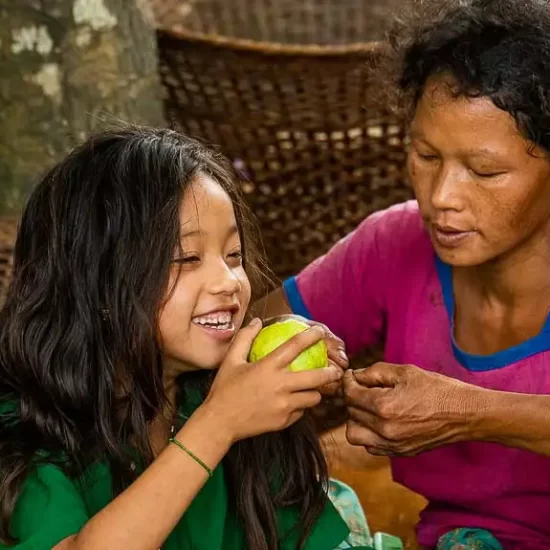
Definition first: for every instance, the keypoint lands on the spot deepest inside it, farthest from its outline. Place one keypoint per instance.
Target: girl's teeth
(220, 321)
(221, 326)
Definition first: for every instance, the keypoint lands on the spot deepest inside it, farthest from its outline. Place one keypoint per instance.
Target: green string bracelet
(191, 454)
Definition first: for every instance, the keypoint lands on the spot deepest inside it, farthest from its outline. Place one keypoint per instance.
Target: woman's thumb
(379, 375)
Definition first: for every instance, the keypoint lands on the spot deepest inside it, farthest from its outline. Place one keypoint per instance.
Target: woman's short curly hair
(499, 49)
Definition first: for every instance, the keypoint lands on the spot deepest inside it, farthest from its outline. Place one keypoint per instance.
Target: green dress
(53, 507)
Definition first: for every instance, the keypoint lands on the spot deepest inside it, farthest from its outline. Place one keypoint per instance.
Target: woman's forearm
(515, 420)
(144, 515)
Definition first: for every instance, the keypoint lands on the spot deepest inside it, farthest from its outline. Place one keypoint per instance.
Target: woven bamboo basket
(285, 88)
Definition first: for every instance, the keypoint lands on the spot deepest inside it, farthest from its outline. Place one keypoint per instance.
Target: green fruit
(272, 336)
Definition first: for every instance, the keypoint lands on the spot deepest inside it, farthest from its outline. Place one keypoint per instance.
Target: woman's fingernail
(342, 354)
(255, 322)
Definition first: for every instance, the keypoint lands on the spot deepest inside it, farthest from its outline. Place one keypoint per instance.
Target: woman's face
(208, 291)
(483, 189)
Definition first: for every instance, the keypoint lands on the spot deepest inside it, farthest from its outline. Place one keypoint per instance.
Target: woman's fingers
(336, 350)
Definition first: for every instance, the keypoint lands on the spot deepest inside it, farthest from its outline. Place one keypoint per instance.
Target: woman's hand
(254, 398)
(335, 346)
(403, 410)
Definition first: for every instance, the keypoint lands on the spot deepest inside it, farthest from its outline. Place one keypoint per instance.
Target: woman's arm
(515, 419)
(244, 401)
(402, 410)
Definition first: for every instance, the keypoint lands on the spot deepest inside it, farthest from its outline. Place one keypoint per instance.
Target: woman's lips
(450, 237)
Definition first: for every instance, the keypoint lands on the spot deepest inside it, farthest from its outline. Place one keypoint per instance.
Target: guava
(272, 336)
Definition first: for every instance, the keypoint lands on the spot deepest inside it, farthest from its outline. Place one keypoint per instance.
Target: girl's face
(208, 291)
(482, 188)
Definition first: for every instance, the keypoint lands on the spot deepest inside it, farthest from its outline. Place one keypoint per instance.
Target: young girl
(130, 284)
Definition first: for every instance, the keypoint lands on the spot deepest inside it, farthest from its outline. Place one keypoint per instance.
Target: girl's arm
(144, 515)
(245, 400)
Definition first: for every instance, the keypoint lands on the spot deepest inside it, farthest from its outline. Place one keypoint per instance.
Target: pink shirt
(384, 282)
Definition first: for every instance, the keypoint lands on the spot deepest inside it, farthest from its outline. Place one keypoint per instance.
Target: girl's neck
(171, 392)
(161, 427)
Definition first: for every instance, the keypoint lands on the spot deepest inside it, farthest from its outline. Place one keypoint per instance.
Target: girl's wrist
(208, 429)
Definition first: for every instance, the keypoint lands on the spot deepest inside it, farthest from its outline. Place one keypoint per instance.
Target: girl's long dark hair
(80, 365)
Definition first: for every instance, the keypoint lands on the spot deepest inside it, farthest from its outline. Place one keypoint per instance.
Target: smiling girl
(131, 282)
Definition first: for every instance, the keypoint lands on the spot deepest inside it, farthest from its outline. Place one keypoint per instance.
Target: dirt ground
(389, 507)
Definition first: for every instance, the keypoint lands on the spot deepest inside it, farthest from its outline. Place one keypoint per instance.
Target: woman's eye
(487, 175)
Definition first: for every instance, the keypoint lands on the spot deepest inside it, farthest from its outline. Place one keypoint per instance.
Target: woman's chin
(461, 258)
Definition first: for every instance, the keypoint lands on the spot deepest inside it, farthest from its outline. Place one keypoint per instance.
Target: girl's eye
(237, 255)
(185, 260)
(427, 157)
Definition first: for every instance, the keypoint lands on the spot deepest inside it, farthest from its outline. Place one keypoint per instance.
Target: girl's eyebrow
(197, 232)
(191, 233)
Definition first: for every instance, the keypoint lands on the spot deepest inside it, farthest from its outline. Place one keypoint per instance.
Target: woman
(457, 283)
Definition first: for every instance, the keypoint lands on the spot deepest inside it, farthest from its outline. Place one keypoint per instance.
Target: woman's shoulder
(397, 237)
(398, 226)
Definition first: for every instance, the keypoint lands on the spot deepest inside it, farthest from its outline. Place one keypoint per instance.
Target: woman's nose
(447, 189)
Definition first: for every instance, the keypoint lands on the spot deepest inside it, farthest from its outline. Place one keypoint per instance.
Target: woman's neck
(502, 303)
(517, 279)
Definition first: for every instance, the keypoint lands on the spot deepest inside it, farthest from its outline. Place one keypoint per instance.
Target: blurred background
(288, 89)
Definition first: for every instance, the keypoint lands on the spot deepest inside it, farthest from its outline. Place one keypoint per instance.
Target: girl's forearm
(143, 516)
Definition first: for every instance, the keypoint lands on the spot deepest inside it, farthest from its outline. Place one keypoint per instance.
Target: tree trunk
(69, 67)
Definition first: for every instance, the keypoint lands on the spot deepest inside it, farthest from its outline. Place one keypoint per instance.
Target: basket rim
(276, 48)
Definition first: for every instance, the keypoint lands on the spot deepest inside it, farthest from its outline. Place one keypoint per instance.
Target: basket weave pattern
(283, 22)
(295, 115)
(284, 88)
